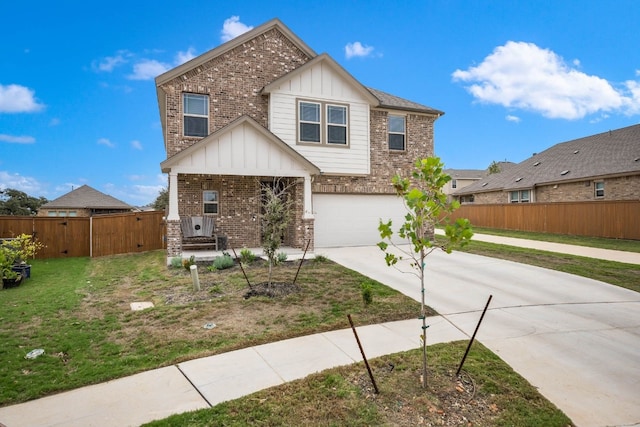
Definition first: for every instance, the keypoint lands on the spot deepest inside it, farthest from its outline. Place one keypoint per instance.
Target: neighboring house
(605, 166)
(265, 105)
(83, 201)
(461, 178)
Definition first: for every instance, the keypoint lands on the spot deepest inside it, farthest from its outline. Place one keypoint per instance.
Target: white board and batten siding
(242, 150)
(321, 83)
(353, 219)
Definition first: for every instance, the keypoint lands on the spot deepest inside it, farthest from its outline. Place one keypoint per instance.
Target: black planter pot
(23, 269)
(12, 283)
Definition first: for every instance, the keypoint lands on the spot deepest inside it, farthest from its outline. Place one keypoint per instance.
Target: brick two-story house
(265, 105)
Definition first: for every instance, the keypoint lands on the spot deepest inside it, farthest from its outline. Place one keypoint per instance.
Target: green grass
(344, 396)
(595, 242)
(78, 311)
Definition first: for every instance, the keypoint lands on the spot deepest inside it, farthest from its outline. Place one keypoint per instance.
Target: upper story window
(454, 183)
(309, 117)
(397, 133)
(336, 124)
(522, 196)
(196, 114)
(210, 202)
(323, 123)
(599, 189)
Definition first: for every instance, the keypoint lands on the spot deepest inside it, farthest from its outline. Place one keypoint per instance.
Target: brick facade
(618, 188)
(233, 82)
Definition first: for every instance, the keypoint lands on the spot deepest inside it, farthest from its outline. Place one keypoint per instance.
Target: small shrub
(221, 262)
(187, 263)
(367, 293)
(320, 259)
(281, 257)
(176, 262)
(246, 256)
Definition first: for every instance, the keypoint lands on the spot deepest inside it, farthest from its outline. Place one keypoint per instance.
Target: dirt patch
(272, 290)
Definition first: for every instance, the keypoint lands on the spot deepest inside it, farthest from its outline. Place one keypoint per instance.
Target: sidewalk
(585, 251)
(205, 382)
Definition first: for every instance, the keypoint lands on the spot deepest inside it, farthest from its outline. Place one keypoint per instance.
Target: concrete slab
(139, 306)
(296, 358)
(129, 401)
(230, 375)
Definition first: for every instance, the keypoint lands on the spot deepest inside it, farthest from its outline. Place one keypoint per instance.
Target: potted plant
(24, 248)
(10, 278)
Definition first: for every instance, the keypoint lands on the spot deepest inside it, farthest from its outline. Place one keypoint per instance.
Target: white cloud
(357, 49)
(17, 139)
(148, 69)
(109, 63)
(26, 184)
(523, 75)
(18, 99)
(106, 142)
(511, 118)
(136, 144)
(182, 57)
(232, 28)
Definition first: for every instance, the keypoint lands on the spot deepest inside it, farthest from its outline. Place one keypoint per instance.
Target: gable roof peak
(233, 43)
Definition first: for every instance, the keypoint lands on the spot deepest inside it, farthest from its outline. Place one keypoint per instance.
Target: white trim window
(309, 122)
(210, 202)
(598, 188)
(397, 133)
(196, 114)
(337, 124)
(454, 183)
(522, 196)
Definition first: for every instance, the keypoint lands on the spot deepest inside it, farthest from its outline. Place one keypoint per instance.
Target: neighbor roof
(608, 154)
(396, 103)
(465, 173)
(86, 197)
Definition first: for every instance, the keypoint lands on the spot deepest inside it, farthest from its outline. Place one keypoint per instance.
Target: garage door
(352, 220)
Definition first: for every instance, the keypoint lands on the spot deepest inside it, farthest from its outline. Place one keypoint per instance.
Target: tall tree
(494, 167)
(427, 206)
(162, 201)
(15, 202)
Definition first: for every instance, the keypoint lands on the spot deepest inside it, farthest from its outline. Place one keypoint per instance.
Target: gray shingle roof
(86, 197)
(611, 153)
(465, 173)
(395, 102)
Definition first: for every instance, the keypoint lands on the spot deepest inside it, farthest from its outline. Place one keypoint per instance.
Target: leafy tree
(162, 201)
(494, 167)
(427, 206)
(15, 202)
(276, 205)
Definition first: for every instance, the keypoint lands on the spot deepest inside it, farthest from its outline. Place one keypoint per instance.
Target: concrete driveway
(577, 340)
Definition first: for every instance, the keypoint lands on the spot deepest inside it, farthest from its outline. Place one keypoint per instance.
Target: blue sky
(78, 103)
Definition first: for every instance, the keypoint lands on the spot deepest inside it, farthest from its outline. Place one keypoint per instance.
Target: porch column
(173, 215)
(308, 205)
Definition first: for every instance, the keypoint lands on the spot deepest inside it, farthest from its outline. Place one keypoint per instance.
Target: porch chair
(198, 232)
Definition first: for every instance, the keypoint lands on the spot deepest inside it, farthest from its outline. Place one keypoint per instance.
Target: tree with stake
(275, 219)
(427, 206)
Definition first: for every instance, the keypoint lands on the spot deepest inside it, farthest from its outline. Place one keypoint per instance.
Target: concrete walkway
(576, 339)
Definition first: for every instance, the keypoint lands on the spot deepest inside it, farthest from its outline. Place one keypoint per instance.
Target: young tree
(427, 206)
(494, 167)
(276, 205)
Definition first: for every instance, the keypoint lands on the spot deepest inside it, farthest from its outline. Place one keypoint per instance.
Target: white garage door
(352, 220)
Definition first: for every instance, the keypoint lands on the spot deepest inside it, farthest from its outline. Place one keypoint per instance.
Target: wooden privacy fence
(610, 219)
(95, 236)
